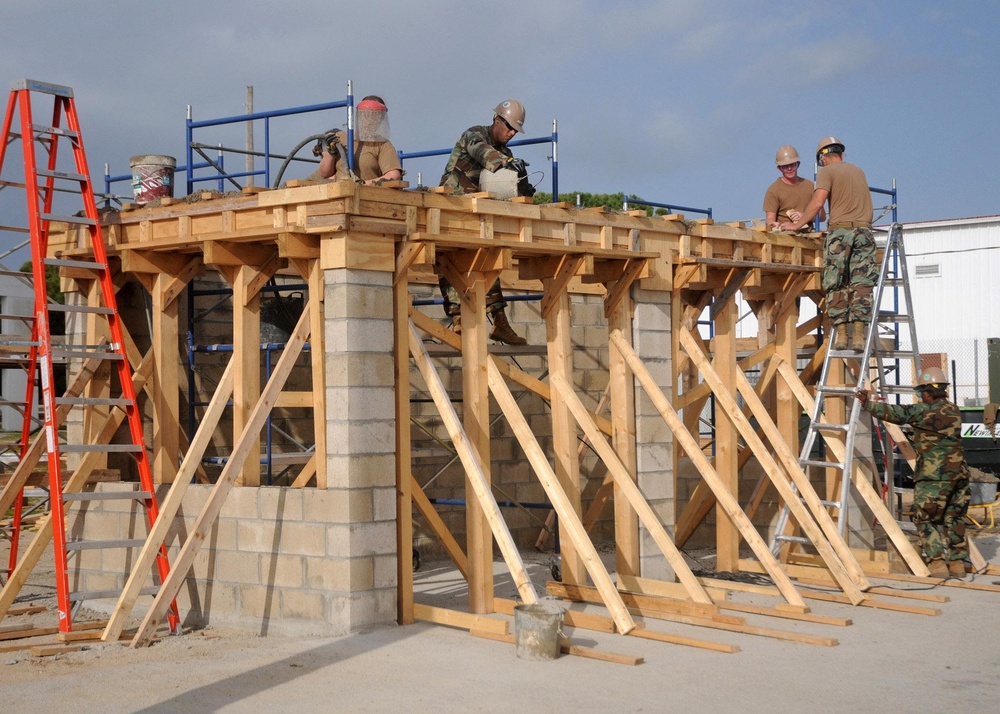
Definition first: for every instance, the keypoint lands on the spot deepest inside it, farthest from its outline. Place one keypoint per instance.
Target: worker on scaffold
(941, 479)
(478, 149)
(375, 158)
(850, 268)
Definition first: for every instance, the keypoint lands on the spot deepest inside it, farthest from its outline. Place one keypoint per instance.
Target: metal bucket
(152, 177)
(982, 492)
(537, 629)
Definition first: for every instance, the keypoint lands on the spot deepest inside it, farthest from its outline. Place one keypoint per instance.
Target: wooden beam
(438, 527)
(625, 482)
(247, 439)
(246, 351)
(562, 504)
(726, 434)
(405, 483)
(170, 505)
(621, 390)
(722, 494)
(475, 476)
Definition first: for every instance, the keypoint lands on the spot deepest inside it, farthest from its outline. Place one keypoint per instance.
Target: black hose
(291, 155)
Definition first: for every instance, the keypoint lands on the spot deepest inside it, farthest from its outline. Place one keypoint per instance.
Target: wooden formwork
(308, 229)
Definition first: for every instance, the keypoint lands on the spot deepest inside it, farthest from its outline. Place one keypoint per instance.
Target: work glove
(327, 144)
(517, 165)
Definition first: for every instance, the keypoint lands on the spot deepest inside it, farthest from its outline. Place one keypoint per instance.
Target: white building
(953, 267)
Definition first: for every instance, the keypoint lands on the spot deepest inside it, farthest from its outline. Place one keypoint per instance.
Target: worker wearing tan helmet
(941, 479)
(787, 198)
(478, 149)
(850, 270)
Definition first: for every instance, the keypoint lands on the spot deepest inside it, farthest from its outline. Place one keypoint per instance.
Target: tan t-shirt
(850, 200)
(782, 198)
(371, 159)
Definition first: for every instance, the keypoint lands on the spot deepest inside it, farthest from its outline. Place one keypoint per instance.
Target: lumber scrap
(459, 619)
(660, 609)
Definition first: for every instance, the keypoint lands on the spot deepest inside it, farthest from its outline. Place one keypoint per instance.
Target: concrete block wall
(273, 563)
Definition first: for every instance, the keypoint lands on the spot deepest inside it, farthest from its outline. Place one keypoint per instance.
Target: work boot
(957, 569)
(840, 337)
(938, 569)
(859, 334)
(502, 331)
(456, 324)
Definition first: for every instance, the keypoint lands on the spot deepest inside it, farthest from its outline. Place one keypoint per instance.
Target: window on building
(927, 270)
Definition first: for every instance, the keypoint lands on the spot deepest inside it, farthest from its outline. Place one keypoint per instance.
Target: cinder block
(301, 604)
(346, 469)
(280, 503)
(337, 505)
(241, 503)
(242, 568)
(384, 500)
(218, 599)
(258, 602)
(373, 538)
(326, 573)
(303, 539)
(283, 571)
(255, 536)
(352, 404)
(385, 571)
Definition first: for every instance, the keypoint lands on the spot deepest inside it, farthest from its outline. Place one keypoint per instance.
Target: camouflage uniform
(941, 480)
(849, 275)
(473, 152)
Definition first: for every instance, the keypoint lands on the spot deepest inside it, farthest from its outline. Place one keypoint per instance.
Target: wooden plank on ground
(567, 647)
(53, 650)
(571, 618)
(457, 618)
(685, 641)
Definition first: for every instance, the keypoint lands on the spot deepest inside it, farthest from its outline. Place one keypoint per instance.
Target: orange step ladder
(41, 184)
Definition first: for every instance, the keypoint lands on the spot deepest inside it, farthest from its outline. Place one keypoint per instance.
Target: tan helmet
(786, 155)
(512, 111)
(828, 144)
(931, 377)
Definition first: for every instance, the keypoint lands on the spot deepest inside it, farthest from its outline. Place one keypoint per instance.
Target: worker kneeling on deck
(375, 158)
(478, 149)
(941, 479)
(850, 268)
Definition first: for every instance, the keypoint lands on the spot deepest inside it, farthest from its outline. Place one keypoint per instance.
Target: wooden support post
(96, 330)
(564, 444)
(622, 390)
(476, 421)
(166, 381)
(248, 438)
(722, 494)
(726, 435)
(479, 485)
(317, 355)
(246, 352)
(404, 478)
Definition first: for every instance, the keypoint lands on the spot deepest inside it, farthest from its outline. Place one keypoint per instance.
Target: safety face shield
(373, 121)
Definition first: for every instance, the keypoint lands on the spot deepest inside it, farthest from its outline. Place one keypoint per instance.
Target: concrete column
(360, 429)
(654, 442)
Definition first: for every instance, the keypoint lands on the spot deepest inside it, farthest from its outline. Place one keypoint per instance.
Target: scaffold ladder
(41, 184)
(875, 363)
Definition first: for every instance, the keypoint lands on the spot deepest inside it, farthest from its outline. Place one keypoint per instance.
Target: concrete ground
(885, 661)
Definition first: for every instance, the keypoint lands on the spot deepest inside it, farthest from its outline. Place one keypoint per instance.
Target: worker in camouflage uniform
(941, 479)
(484, 148)
(850, 267)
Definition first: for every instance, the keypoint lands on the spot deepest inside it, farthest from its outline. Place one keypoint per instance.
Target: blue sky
(682, 102)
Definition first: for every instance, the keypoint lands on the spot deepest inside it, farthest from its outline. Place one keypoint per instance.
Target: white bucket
(537, 629)
(152, 177)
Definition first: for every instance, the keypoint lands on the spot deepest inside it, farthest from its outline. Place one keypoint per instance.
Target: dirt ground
(885, 661)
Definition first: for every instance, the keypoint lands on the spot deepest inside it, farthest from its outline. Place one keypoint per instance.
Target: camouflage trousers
(939, 508)
(849, 275)
(453, 303)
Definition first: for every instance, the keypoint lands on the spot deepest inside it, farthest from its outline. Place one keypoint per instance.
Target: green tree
(614, 201)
